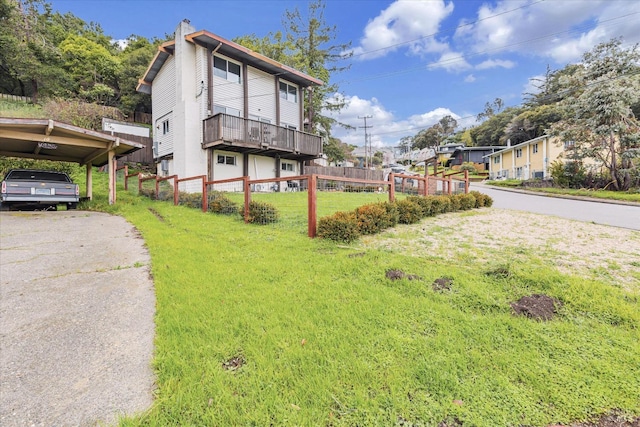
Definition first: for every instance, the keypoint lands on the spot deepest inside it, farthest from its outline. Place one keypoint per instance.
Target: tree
(532, 123)
(426, 138)
(492, 130)
(598, 118)
(337, 151)
(491, 109)
(134, 60)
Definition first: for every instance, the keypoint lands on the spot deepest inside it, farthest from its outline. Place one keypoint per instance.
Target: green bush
(262, 213)
(190, 200)
(467, 201)
(341, 227)
(424, 202)
(148, 192)
(468, 166)
(454, 200)
(373, 218)
(482, 199)
(408, 212)
(218, 202)
(165, 194)
(440, 204)
(392, 213)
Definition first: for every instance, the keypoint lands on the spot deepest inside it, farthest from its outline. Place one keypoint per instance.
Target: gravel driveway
(76, 319)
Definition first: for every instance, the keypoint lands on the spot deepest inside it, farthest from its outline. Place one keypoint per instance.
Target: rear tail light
(4, 187)
(77, 190)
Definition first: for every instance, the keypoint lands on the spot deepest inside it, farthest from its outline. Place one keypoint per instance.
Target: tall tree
(316, 55)
(598, 115)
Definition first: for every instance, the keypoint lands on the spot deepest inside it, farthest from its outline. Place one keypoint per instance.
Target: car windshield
(38, 176)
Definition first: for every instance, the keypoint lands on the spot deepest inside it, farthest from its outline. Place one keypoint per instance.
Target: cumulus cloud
(561, 30)
(470, 78)
(386, 130)
(452, 62)
(411, 24)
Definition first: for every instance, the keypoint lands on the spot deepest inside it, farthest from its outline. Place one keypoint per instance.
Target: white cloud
(495, 63)
(470, 78)
(415, 22)
(531, 87)
(561, 30)
(386, 130)
(452, 62)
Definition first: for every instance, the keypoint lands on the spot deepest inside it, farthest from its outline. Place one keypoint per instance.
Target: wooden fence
(344, 172)
(144, 156)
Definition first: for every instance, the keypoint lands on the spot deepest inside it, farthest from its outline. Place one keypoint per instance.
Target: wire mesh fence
(294, 203)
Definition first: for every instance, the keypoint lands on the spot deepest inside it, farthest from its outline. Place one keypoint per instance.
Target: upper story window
(535, 148)
(226, 69)
(518, 152)
(496, 159)
(165, 127)
(226, 110)
(569, 144)
(288, 92)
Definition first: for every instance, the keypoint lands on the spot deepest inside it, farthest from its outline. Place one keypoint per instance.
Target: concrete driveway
(76, 319)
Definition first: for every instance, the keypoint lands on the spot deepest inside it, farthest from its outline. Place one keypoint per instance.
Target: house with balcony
(527, 160)
(224, 111)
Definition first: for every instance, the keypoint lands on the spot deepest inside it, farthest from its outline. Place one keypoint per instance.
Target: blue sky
(414, 61)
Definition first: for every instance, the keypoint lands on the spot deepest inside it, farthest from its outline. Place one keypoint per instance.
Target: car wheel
(72, 206)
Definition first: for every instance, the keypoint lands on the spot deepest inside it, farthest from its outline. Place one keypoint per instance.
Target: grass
(628, 196)
(323, 338)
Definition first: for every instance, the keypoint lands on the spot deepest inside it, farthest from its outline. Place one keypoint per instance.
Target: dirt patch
(357, 255)
(500, 236)
(537, 306)
(613, 419)
(399, 274)
(442, 284)
(236, 362)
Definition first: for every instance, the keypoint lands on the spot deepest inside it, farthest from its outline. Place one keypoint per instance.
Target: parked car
(39, 188)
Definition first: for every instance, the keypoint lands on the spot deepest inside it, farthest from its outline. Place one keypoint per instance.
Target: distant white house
(224, 111)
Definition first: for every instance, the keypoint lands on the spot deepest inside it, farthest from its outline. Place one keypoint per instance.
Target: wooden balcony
(233, 133)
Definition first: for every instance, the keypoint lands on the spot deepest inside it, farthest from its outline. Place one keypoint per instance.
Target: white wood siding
(226, 93)
(262, 167)
(201, 79)
(163, 102)
(290, 111)
(225, 171)
(262, 94)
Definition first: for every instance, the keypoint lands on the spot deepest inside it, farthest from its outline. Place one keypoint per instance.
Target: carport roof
(51, 140)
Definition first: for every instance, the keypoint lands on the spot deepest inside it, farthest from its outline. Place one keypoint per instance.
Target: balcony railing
(225, 129)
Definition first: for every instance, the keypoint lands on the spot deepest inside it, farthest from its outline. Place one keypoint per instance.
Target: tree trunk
(34, 91)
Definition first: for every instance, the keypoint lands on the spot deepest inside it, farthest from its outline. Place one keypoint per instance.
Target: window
(518, 172)
(226, 160)
(569, 144)
(496, 160)
(535, 148)
(227, 70)
(165, 127)
(287, 166)
(288, 92)
(519, 152)
(226, 110)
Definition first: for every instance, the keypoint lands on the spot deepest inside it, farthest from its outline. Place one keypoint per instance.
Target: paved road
(76, 319)
(600, 213)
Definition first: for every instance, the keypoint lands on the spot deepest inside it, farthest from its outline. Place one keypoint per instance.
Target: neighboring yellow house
(529, 159)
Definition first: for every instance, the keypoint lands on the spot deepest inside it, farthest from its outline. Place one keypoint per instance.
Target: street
(624, 216)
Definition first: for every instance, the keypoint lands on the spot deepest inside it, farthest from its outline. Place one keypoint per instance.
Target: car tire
(71, 206)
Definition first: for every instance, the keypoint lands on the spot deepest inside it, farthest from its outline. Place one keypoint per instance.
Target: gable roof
(227, 48)
(511, 147)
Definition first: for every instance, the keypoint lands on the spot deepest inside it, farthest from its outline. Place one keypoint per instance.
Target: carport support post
(312, 205)
(89, 181)
(112, 177)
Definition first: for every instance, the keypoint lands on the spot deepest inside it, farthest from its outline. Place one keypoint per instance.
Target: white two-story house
(224, 111)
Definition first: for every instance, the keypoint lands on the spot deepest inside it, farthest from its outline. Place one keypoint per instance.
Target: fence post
(312, 206)
(205, 199)
(139, 183)
(176, 193)
(247, 197)
(392, 188)
(466, 181)
(449, 185)
(426, 183)
(126, 172)
(157, 188)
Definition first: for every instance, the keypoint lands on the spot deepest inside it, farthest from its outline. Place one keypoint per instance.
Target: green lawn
(322, 337)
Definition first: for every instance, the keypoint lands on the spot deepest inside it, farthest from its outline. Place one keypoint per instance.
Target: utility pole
(366, 138)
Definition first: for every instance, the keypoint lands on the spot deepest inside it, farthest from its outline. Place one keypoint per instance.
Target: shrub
(392, 213)
(482, 199)
(190, 200)
(373, 218)
(218, 202)
(165, 194)
(570, 174)
(341, 226)
(440, 204)
(468, 166)
(408, 212)
(262, 213)
(148, 192)
(454, 200)
(467, 201)
(424, 202)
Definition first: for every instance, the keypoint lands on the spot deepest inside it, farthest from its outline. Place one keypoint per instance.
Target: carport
(51, 140)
